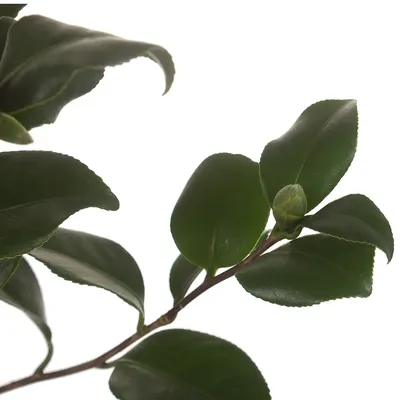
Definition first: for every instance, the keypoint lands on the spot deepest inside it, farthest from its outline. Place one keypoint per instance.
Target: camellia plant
(218, 223)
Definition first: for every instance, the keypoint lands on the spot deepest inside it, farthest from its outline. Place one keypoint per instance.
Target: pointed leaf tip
(355, 218)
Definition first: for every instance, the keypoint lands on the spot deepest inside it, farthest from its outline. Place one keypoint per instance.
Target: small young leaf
(8, 266)
(92, 260)
(12, 131)
(310, 270)
(304, 155)
(356, 218)
(10, 10)
(183, 274)
(263, 238)
(23, 292)
(46, 64)
(39, 191)
(179, 364)
(221, 212)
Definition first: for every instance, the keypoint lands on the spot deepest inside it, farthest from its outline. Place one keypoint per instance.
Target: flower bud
(289, 206)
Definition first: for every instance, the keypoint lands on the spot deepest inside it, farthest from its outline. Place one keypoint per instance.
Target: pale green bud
(289, 206)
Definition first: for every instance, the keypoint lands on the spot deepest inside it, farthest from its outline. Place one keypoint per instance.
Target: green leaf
(315, 153)
(356, 218)
(10, 10)
(46, 64)
(5, 24)
(310, 270)
(92, 260)
(8, 266)
(39, 191)
(12, 131)
(263, 238)
(23, 292)
(221, 212)
(179, 364)
(183, 274)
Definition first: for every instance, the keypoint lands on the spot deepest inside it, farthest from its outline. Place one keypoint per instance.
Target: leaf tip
(168, 83)
(164, 59)
(114, 203)
(389, 254)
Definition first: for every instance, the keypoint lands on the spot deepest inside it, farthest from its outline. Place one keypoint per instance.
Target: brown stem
(165, 319)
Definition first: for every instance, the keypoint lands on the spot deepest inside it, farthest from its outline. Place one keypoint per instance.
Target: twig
(165, 319)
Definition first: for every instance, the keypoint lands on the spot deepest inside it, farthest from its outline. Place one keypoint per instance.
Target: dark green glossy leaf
(5, 24)
(316, 151)
(8, 266)
(46, 64)
(92, 260)
(23, 292)
(40, 190)
(10, 10)
(180, 364)
(12, 131)
(221, 212)
(310, 270)
(183, 274)
(356, 218)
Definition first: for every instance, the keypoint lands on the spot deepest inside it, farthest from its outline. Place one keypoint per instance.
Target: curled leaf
(46, 64)
(356, 218)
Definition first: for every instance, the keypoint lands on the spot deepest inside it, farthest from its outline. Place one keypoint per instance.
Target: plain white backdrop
(245, 72)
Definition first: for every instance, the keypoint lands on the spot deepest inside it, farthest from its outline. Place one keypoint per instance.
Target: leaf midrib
(314, 140)
(39, 54)
(351, 218)
(316, 257)
(47, 200)
(49, 99)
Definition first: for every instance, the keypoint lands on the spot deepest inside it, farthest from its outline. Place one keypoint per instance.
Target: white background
(245, 71)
